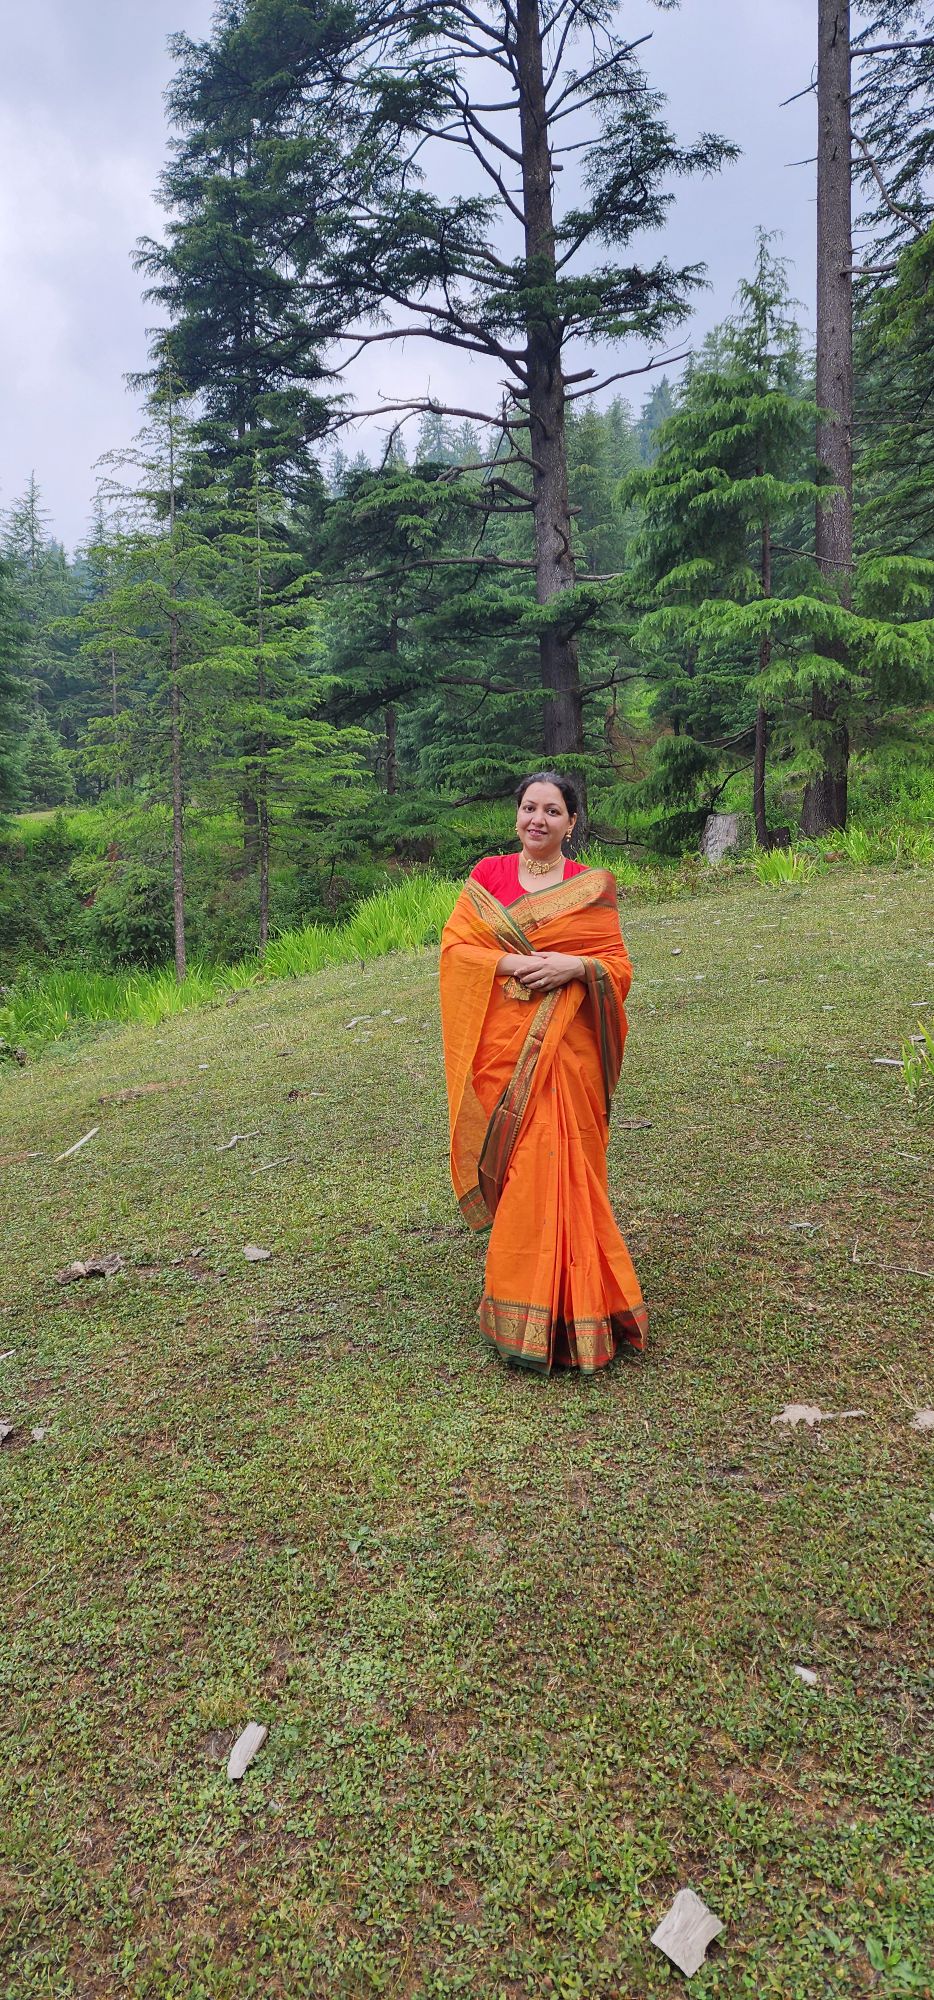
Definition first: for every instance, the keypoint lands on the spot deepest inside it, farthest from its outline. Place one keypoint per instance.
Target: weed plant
(777, 866)
(918, 1069)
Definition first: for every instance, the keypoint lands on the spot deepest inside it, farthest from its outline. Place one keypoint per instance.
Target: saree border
(581, 892)
(493, 914)
(602, 996)
(525, 1334)
(506, 1117)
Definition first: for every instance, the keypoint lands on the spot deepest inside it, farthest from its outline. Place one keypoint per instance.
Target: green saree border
(503, 1128)
(525, 1334)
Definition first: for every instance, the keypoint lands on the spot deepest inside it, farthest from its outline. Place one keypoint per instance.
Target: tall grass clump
(777, 866)
(883, 844)
(39, 1010)
(405, 917)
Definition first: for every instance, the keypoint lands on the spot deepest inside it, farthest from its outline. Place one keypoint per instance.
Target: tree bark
(762, 721)
(178, 850)
(262, 787)
(562, 732)
(825, 798)
(175, 725)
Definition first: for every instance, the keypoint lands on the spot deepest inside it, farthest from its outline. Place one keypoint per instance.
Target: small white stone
(254, 1255)
(923, 1420)
(807, 1675)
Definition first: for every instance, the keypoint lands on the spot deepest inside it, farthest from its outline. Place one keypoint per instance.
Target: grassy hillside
(526, 1649)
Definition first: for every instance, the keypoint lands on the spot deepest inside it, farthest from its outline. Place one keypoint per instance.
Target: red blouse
(499, 873)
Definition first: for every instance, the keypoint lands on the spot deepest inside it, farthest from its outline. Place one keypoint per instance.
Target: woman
(534, 973)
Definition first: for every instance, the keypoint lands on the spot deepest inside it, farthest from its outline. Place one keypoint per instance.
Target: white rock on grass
(807, 1675)
(254, 1255)
(684, 1934)
(923, 1420)
(247, 1746)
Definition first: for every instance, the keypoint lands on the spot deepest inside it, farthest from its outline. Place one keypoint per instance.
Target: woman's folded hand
(544, 970)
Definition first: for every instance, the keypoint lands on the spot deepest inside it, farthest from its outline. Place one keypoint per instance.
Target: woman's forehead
(546, 795)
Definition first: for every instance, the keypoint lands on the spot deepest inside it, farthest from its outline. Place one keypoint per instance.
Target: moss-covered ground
(525, 1649)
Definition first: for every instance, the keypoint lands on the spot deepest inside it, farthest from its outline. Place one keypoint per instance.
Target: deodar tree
(457, 126)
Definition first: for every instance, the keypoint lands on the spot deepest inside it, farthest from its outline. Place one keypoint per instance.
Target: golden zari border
(528, 1334)
(503, 1129)
(596, 889)
(497, 919)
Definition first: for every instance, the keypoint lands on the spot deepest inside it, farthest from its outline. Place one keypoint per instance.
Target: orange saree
(530, 1079)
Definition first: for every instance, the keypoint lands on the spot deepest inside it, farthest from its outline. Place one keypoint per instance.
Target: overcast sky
(82, 139)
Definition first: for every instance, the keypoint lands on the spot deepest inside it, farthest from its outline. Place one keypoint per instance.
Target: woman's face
(542, 822)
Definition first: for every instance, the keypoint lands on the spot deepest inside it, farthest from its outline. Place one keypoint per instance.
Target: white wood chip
(355, 1023)
(39, 1433)
(247, 1746)
(7, 1354)
(76, 1148)
(811, 1414)
(923, 1420)
(807, 1675)
(254, 1255)
(237, 1140)
(684, 1934)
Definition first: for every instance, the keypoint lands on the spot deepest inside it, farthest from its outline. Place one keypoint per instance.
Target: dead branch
(894, 207)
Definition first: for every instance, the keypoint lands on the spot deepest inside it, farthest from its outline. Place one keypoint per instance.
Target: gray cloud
(82, 139)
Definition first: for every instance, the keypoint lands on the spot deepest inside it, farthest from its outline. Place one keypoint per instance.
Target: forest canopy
(311, 664)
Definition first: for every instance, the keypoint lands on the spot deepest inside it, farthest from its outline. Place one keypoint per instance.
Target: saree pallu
(530, 1080)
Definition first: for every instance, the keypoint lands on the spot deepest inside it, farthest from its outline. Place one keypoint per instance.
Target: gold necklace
(539, 867)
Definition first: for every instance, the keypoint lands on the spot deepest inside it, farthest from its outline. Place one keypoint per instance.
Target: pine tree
(160, 598)
(395, 85)
(730, 476)
(242, 189)
(895, 411)
(47, 594)
(659, 405)
(45, 774)
(893, 116)
(11, 693)
(261, 686)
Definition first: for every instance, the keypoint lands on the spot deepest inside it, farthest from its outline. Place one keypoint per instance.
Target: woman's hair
(566, 787)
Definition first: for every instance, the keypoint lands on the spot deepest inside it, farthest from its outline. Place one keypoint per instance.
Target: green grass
(525, 1648)
(40, 1009)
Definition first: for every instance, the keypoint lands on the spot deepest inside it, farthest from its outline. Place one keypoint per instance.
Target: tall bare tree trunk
(178, 850)
(563, 731)
(262, 773)
(175, 712)
(762, 720)
(825, 798)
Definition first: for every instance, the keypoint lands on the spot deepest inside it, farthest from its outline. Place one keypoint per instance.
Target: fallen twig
(76, 1148)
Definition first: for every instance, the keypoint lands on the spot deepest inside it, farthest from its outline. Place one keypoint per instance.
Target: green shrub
(131, 918)
(780, 865)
